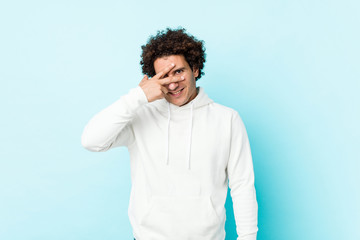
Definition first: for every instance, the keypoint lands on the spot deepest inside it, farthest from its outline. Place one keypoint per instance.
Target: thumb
(145, 78)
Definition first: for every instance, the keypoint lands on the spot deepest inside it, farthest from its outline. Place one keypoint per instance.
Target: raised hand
(154, 88)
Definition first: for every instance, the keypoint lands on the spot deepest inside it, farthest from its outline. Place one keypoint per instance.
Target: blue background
(290, 68)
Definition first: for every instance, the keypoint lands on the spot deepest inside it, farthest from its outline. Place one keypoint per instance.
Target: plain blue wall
(290, 68)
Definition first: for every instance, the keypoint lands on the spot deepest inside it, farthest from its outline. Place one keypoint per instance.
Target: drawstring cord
(167, 142)
(190, 133)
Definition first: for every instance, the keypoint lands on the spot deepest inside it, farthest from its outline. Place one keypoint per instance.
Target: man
(184, 148)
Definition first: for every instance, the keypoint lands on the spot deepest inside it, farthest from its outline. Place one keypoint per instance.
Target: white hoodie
(181, 161)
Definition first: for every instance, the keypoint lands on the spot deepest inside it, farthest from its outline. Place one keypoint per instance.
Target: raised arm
(112, 126)
(241, 182)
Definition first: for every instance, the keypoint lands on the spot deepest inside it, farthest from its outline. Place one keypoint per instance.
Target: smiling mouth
(175, 94)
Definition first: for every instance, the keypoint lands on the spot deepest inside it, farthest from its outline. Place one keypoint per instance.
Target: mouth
(176, 94)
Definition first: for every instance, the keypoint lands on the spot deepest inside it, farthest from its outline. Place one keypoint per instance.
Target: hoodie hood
(188, 109)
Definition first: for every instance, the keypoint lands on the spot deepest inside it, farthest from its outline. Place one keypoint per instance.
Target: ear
(196, 72)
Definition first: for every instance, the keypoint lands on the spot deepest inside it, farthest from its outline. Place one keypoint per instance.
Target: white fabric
(180, 195)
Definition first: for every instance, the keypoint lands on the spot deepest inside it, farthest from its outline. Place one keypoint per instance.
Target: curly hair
(173, 42)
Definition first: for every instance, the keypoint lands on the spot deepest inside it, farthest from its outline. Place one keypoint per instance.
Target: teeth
(177, 92)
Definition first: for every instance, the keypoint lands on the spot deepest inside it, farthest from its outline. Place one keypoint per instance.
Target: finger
(164, 90)
(169, 80)
(164, 71)
(145, 78)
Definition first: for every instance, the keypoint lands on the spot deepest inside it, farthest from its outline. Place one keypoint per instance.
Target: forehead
(162, 62)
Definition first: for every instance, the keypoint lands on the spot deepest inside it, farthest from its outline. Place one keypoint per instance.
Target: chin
(178, 103)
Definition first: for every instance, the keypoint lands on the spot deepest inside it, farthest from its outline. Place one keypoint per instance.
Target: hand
(154, 88)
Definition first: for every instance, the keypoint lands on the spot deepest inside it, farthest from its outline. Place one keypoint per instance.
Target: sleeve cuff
(132, 101)
(139, 92)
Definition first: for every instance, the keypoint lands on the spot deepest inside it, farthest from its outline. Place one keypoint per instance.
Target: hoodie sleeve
(241, 182)
(112, 126)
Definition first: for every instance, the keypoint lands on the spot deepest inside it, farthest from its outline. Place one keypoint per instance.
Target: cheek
(187, 79)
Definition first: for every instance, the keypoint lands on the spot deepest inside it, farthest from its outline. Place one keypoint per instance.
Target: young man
(184, 148)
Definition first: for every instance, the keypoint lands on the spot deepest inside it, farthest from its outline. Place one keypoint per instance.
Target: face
(187, 87)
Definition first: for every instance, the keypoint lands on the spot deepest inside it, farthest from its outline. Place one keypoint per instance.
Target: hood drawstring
(190, 134)
(167, 137)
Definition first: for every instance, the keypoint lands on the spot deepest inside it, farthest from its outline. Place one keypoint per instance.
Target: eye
(178, 71)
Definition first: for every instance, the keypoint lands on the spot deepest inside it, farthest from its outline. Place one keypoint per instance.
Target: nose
(173, 86)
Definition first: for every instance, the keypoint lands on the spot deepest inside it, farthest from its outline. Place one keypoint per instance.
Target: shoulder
(230, 116)
(225, 110)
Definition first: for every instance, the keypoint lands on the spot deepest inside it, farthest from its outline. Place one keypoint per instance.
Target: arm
(112, 126)
(241, 182)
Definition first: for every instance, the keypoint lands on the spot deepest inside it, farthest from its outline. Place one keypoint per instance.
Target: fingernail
(182, 77)
(172, 64)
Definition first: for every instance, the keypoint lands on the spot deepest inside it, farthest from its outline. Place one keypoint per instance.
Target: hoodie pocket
(180, 216)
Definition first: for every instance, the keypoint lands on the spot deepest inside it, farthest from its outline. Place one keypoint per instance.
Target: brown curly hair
(173, 42)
